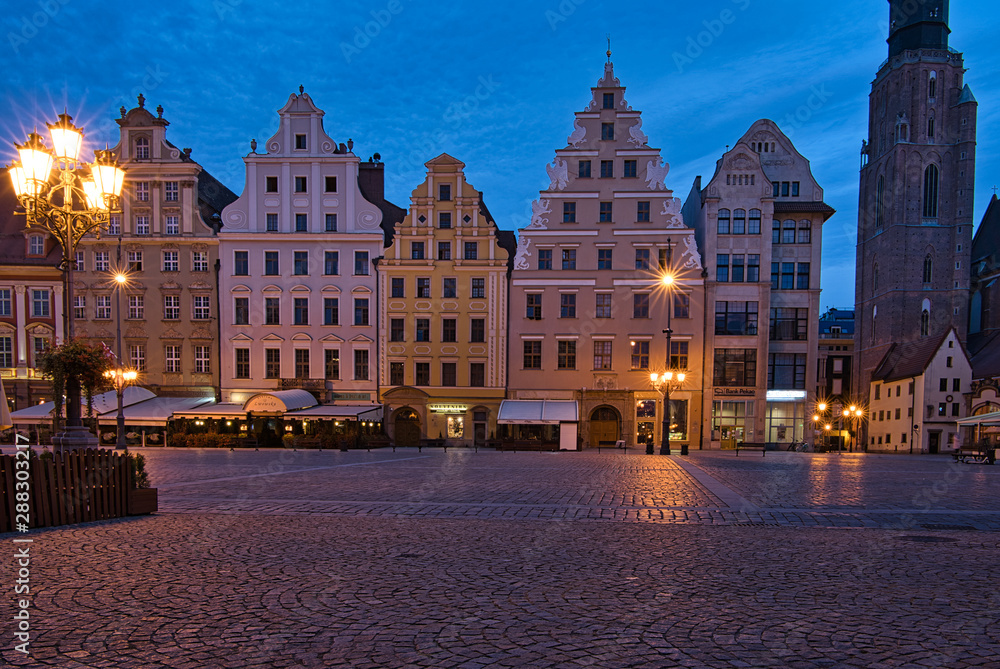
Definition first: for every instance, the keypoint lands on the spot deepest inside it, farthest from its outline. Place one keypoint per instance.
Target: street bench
(975, 455)
(751, 445)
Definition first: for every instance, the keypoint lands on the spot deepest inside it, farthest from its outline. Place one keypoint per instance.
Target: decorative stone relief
(521, 259)
(558, 174)
(637, 137)
(236, 220)
(201, 333)
(740, 161)
(691, 253)
(136, 332)
(578, 136)
(672, 210)
(369, 219)
(656, 174)
(539, 209)
(605, 382)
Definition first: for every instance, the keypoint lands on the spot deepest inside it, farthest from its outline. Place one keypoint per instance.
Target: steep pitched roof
(986, 243)
(985, 355)
(13, 248)
(904, 361)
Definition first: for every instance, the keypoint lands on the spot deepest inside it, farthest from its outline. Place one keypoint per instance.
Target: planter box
(142, 502)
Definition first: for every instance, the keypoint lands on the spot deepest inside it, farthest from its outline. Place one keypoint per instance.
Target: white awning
(213, 411)
(280, 401)
(538, 412)
(156, 411)
(984, 419)
(362, 412)
(42, 413)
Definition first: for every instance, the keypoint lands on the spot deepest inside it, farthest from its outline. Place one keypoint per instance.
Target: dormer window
(36, 245)
(142, 148)
(609, 100)
(607, 131)
(300, 142)
(444, 192)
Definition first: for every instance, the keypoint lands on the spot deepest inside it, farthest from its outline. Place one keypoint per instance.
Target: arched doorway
(407, 428)
(605, 427)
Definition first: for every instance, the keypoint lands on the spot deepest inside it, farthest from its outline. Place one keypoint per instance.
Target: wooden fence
(70, 488)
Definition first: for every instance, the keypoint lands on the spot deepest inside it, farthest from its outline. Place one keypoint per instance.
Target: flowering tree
(75, 366)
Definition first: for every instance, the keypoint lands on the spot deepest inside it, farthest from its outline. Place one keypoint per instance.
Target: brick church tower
(916, 191)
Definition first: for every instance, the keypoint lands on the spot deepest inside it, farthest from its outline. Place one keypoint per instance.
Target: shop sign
(448, 408)
(735, 392)
(265, 404)
(353, 397)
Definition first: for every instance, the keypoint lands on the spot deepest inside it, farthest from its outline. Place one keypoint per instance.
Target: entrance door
(934, 442)
(407, 428)
(479, 434)
(604, 427)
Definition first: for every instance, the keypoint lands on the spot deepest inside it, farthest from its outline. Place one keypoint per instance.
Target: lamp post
(68, 198)
(120, 376)
(819, 415)
(664, 383)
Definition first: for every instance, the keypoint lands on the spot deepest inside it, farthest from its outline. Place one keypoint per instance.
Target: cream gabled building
(165, 238)
(443, 322)
(587, 308)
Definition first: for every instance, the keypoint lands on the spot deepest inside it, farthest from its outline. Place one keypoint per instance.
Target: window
(754, 226)
(40, 304)
(931, 192)
(786, 371)
(199, 261)
(928, 268)
(735, 367)
(449, 375)
(788, 232)
(102, 310)
(603, 305)
(5, 302)
(79, 307)
(202, 307)
(640, 355)
(444, 192)
(925, 323)
(777, 188)
(424, 287)
(607, 169)
(802, 278)
(787, 275)
(943, 385)
(449, 287)
(444, 250)
(584, 169)
(642, 212)
(270, 184)
(202, 360)
(567, 355)
(471, 250)
(532, 355)
(740, 222)
(361, 263)
(609, 100)
(142, 225)
(567, 305)
(361, 365)
(172, 359)
(477, 374)
(805, 233)
(956, 385)
(6, 352)
(300, 263)
(640, 305)
(171, 191)
(36, 245)
(301, 184)
(330, 185)
(271, 263)
(479, 288)
(569, 259)
(142, 148)
(602, 355)
(397, 286)
(241, 263)
(607, 131)
(534, 308)
(444, 220)
(361, 311)
(722, 267)
(738, 268)
(331, 363)
(795, 189)
(272, 222)
(301, 222)
(102, 261)
(300, 311)
(789, 324)
(642, 259)
(241, 311)
(171, 263)
(544, 258)
(723, 222)
(395, 373)
(137, 357)
(300, 142)
(172, 226)
(416, 250)
(422, 373)
(302, 363)
(449, 330)
(331, 223)
(678, 355)
(606, 213)
(423, 329)
(735, 318)
(631, 169)
(942, 409)
(142, 191)
(331, 311)
(272, 363)
(569, 212)
(478, 330)
(603, 258)
(272, 311)
(331, 263)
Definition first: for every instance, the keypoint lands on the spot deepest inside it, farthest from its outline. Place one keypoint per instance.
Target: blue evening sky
(493, 84)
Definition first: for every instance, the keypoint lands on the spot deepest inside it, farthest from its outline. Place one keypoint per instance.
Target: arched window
(928, 268)
(754, 228)
(740, 222)
(880, 204)
(142, 149)
(932, 85)
(723, 221)
(931, 192)
(925, 322)
(874, 279)
(874, 323)
(930, 126)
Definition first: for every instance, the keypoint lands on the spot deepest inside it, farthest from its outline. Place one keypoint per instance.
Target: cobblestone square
(462, 559)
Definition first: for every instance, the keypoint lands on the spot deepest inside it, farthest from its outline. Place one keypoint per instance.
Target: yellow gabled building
(443, 321)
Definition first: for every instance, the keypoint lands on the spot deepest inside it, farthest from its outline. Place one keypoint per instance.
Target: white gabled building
(297, 285)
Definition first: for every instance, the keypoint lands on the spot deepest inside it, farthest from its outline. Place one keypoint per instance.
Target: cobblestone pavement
(406, 559)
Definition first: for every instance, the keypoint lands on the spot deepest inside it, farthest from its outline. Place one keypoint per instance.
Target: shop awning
(213, 411)
(363, 412)
(280, 401)
(984, 420)
(42, 413)
(156, 411)
(538, 412)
